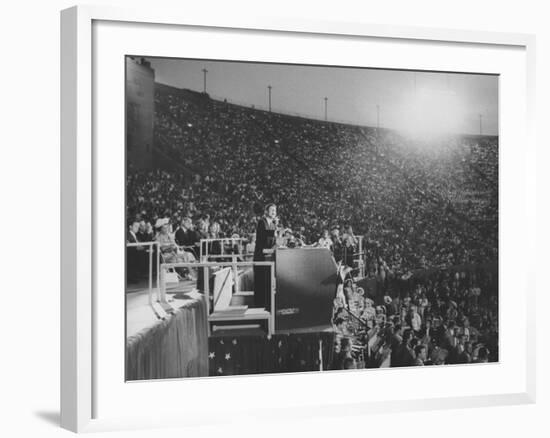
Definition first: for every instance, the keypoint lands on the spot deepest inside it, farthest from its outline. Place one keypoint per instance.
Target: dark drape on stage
(248, 354)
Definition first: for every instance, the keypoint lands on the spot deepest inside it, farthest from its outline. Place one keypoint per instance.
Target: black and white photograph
(285, 218)
(243, 219)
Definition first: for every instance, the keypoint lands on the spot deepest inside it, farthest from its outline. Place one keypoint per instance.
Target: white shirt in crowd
(325, 243)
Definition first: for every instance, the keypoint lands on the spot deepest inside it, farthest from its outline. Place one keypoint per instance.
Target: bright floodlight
(431, 113)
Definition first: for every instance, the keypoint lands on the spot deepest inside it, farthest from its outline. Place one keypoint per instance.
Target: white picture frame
(79, 201)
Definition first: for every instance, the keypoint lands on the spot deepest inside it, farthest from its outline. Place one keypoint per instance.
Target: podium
(306, 281)
(302, 287)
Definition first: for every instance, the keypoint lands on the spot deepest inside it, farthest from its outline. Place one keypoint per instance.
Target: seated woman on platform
(168, 248)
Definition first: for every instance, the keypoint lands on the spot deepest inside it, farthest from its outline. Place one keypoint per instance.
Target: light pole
(269, 98)
(480, 124)
(326, 100)
(204, 71)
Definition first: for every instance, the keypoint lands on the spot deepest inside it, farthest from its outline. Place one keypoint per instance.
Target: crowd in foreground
(443, 317)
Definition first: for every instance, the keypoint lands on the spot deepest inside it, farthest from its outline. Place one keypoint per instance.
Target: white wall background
(29, 215)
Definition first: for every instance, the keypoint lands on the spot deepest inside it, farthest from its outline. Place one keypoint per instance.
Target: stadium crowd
(419, 208)
(442, 317)
(416, 208)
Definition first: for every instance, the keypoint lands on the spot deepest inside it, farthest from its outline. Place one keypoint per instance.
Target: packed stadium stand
(427, 208)
(418, 204)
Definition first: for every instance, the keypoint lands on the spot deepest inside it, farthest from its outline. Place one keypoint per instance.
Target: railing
(361, 257)
(358, 256)
(150, 246)
(234, 265)
(205, 244)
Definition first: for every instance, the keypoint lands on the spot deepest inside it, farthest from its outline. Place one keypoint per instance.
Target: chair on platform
(171, 275)
(190, 249)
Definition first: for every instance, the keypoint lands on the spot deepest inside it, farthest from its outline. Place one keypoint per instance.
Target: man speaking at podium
(266, 235)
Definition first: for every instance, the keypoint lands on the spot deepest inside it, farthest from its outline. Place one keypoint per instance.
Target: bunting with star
(254, 354)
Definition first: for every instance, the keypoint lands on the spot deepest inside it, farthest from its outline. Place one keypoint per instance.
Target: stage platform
(139, 315)
(179, 345)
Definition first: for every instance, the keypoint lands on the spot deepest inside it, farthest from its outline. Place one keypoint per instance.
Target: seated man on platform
(187, 237)
(136, 255)
(145, 233)
(141, 232)
(131, 235)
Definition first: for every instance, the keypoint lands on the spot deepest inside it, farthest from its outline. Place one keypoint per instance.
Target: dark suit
(337, 249)
(402, 356)
(131, 238)
(265, 239)
(187, 237)
(132, 258)
(145, 237)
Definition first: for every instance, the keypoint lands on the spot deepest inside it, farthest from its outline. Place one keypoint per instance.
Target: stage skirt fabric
(253, 354)
(171, 348)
